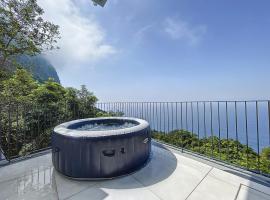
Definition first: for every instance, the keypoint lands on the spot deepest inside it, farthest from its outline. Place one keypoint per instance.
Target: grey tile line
(88, 187)
(238, 191)
(145, 187)
(199, 183)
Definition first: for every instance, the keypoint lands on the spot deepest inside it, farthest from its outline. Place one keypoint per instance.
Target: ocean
(248, 122)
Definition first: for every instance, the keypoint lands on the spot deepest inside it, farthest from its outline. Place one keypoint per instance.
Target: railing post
(258, 137)
(9, 131)
(1, 132)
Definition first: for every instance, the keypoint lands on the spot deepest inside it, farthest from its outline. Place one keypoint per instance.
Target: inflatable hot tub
(101, 148)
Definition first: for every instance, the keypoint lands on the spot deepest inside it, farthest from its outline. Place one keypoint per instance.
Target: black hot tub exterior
(100, 154)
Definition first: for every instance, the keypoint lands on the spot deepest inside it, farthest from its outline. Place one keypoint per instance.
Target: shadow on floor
(161, 165)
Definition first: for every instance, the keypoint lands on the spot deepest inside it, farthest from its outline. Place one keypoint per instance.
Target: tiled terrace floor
(169, 175)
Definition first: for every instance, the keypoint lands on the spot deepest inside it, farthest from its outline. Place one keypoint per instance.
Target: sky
(156, 50)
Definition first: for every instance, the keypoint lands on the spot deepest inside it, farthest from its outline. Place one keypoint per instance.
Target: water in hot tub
(105, 126)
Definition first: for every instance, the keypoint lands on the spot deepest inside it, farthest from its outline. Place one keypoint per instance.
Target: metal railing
(27, 128)
(235, 132)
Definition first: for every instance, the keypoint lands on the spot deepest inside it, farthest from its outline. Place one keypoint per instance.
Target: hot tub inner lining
(103, 125)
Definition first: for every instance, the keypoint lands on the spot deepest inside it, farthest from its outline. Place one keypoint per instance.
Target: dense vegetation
(229, 150)
(29, 111)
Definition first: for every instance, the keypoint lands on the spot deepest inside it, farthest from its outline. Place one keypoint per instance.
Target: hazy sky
(164, 50)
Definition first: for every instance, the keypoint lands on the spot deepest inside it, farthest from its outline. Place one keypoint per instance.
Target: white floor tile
(126, 188)
(31, 186)
(171, 180)
(67, 187)
(212, 189)
(247, 193)
(237, 180)
(25, 167)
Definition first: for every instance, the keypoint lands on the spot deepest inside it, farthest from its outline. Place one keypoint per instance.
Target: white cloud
(82, 39)
(178, 29)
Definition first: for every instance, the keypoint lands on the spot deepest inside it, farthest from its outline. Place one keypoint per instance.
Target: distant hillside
(40, 67)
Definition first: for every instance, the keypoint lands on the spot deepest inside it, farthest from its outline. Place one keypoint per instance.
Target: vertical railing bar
(181, 120)
(182, 126)
(258, 136)
(38, 125)
(126, 109)
(186, 116)
(160, 120)
(150, 110)
(26, 109)
(129, 109)
(1, 127)
(156, 108)
(269, 128)
(9, 131)
(164, 118)
(204, 126)
(45, 119)
(154, 115)
(134, 109)
(227, 131)
(146, 112)
(269, 122)
(212, 132)
(198, 124)
(138, 110)
(142, 111)
(246, 123)
(147, 109)
(236, 127)
(192, 124)
(176, 116)
(219, 132)
(17, 127)
(168, 118)
(172, 116)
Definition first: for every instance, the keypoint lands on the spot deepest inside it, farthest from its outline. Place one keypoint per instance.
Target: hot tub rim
(63, 129)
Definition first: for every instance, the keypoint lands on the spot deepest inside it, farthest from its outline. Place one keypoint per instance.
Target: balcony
(202, 150)
(170, 174)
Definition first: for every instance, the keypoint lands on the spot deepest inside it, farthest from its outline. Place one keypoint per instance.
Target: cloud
(178, 29)
(82, 39)
(141, 32)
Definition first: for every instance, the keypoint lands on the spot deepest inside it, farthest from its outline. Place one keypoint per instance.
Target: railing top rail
(215, 101)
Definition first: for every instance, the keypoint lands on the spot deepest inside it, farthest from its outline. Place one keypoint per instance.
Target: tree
(23, 30)
(19, 87)
(86, 102)
(49, 93)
